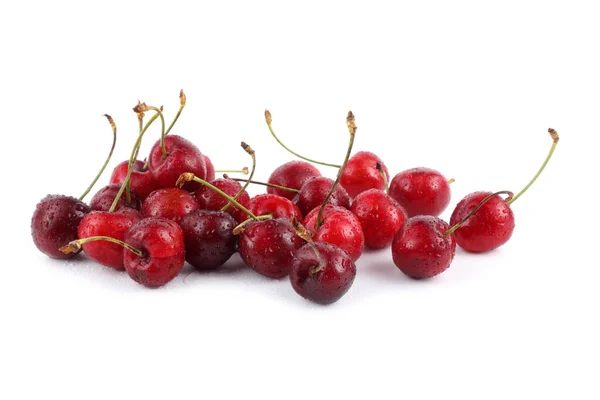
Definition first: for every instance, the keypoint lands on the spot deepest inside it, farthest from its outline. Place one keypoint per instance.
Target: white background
(463, 87)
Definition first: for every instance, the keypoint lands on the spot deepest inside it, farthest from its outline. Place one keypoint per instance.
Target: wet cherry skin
(208, 199)
(361, 174)
(210, 169)
(421, 191)
(103, 199)
(169, 203)
(141, 180)
(293, 175)
(314, 192)
(277, 206)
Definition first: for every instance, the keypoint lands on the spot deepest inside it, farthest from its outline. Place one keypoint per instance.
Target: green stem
(481, 203)
(182, 101)
(114, 129)
(269, 119)
(243, 171)
(250, 151)
(240, 228)
(75, 245)
(555, 138)
(162, 135)
(265, 184)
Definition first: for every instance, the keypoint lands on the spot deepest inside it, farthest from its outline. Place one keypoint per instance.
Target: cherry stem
(243, 171)
(384, 177)
(554, 136)
(306, 236)
(75, 245)
(114, 129)
(182, 101)
(263, 183)
(460, 223)
(352, 130)
(162, 135)
(451, 181)
(133, 159)
(189, 176)
(250, 151)
(269, 119)
(131, 162)
(240, 228)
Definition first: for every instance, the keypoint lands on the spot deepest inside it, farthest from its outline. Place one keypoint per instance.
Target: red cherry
(380, 217)
(339, 227)
(54, 223)
(323, 279)
(111, 224)
(182, 156)
(209, 238)
(141, 180)
(210, 169)
(361, 174)
(420, 248)
(208, 199)
(268, 246)
(314, 192)
(421, 191)
(292, 175)
(277, 206)
(163, 255)
(169, 203)
(103, 199)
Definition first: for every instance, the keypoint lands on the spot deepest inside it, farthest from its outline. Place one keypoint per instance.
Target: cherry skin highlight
(268, 247)
(54, 223)
(489, 228)
(331, 282)
(161, 240)
(182, 156)
(277, 206)
(292, 175)
(141, 180)
(103, 199)
(421, 191)
(420, 249)
(361, 174)
(208, 199)
(209, 238)
(169, 203)
(111, 224)
(380, 217)
(210, 169)
(314, 192)
(340, 227)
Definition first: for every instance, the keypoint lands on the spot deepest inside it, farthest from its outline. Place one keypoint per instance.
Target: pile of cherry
(157, 214)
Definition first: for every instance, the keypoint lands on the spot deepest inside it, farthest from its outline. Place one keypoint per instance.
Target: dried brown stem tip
(350, 122)
(553, 134)
(268, 117)
(182, 98)
(301, 230)
(247, 149)
(72, 247)
(140, 107)
(245, 170)
(183, 178)
(110, 121)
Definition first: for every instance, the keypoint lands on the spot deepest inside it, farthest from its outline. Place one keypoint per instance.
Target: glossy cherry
(104, 198)
(421, 191)
(277, 206)
(293, 175)
(169, 203)
(380, 217)
(322, 278)
(421, 249)
(210, 168)
(314, 192)
(141, 181)
(208, 199)
(209, 238)
(361, 174)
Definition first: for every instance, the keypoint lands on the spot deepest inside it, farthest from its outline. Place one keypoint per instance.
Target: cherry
(421, 249)
(141, 181)
(277, 206)
(421, 191)
(292, 175)
(208, 199)
(210, 168)
(56, 217)
(103, 199)
(380, 217)
(314, 192)
(322, 272)
(360, 174)
(169, 203)
(492, 224)
(209, 238)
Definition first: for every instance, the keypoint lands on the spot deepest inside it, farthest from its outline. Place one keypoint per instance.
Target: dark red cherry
(268, 246)
(209, 238)
(111, 224)
(421, 191)
(420, 248)
(169, 203)
(208, 199)
(340, 227)
(182, 156)
(489, 228)
(210, 169)
(324, 279)
(277, 206)
(380, 217)
(361, 174)
(103, 199)
(292, 175)
(161, 241)
(54, 223)
(141, 181)
(314, 192)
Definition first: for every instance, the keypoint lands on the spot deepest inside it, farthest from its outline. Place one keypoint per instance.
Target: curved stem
(188, 176)
(240, 228)
(114, 129)
(481, 203)
(133, 159)
(555, 138)
(250, 151)
(75, 245)
(264, 184)
(384, 177)
(182, 101)
(269, 119)
(162, 135)
(352, 130)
